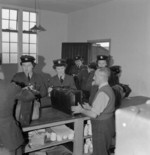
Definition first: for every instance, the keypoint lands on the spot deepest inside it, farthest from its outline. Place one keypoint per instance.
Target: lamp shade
(36, 28)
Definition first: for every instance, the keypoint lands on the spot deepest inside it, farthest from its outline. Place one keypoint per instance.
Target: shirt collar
(61, 77)
(103, 84)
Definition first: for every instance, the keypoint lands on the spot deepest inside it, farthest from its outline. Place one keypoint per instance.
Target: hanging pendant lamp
(37, 28)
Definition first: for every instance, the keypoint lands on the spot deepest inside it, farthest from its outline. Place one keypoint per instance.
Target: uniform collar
(61, 77)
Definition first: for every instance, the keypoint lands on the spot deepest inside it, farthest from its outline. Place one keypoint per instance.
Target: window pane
(29, 45)
(25, 16)
(33, 17)
(5, 47)
(13, 37)
(25, 38)
(13, 47)
(13, 58)
(26, 26)
(32, 25)
(32, 48)
(5, 58)
(5, 13)
(5, 36)
(13, 14)
(25, 48)
(9, 38)
(5, 24)
(13, 25)
(32, 38)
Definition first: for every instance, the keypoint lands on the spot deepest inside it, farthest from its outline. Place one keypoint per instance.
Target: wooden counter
(52, 117)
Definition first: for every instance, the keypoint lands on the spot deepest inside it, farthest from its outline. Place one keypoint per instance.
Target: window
(29, 39)
(10, 32)
(9, 36)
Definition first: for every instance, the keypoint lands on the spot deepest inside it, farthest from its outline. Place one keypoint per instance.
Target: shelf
(46, 145)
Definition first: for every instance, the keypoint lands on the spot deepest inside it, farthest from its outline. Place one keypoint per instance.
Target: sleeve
(43, 90)
(89, 82)
(72, 83)
(100, 103)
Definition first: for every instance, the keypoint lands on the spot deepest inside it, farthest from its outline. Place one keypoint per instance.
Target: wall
(127, 24)
(50, 41)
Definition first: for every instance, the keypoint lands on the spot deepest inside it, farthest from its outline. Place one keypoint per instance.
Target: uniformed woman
(61, 79)
(76, 70)
(30, 79)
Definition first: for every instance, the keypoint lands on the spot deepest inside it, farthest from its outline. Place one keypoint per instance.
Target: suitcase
(133, 130)
(63, 98)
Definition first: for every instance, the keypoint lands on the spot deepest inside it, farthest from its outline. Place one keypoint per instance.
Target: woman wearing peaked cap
(61, 79)
(76, 69)
(10, 134)
(29, 77)
(86, 78)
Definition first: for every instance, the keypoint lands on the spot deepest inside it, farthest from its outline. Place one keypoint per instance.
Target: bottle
(86, 148)
(89, 127)
(86, 130)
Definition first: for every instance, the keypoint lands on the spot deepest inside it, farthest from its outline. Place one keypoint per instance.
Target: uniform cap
(78, 58)
(102, 57)
(27, 58)
(116, 69)
(59, 62)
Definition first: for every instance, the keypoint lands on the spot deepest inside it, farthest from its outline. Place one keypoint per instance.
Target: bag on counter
(36, 110)
(27, 108)
(63, 98)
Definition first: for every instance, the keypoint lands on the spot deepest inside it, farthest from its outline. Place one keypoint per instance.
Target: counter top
(53, 117)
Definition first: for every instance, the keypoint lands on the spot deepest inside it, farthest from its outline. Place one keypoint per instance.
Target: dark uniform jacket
(10, 133)
(67, 81)
(76, 70)
(36, 80)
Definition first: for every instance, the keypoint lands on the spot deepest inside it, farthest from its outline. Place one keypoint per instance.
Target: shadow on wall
(39, 69)
(45, 101)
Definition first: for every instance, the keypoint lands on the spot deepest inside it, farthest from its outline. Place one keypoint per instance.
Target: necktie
(28, 77)
(61, 79)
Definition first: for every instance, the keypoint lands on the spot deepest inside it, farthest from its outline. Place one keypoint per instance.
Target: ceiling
(62, 6)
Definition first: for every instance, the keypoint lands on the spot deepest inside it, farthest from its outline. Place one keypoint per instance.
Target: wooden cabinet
(51, 117)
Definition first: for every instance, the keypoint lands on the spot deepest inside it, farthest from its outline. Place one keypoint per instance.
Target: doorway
(99, 47)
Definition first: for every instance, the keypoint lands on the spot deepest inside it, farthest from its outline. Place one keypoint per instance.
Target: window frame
(19, 33)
